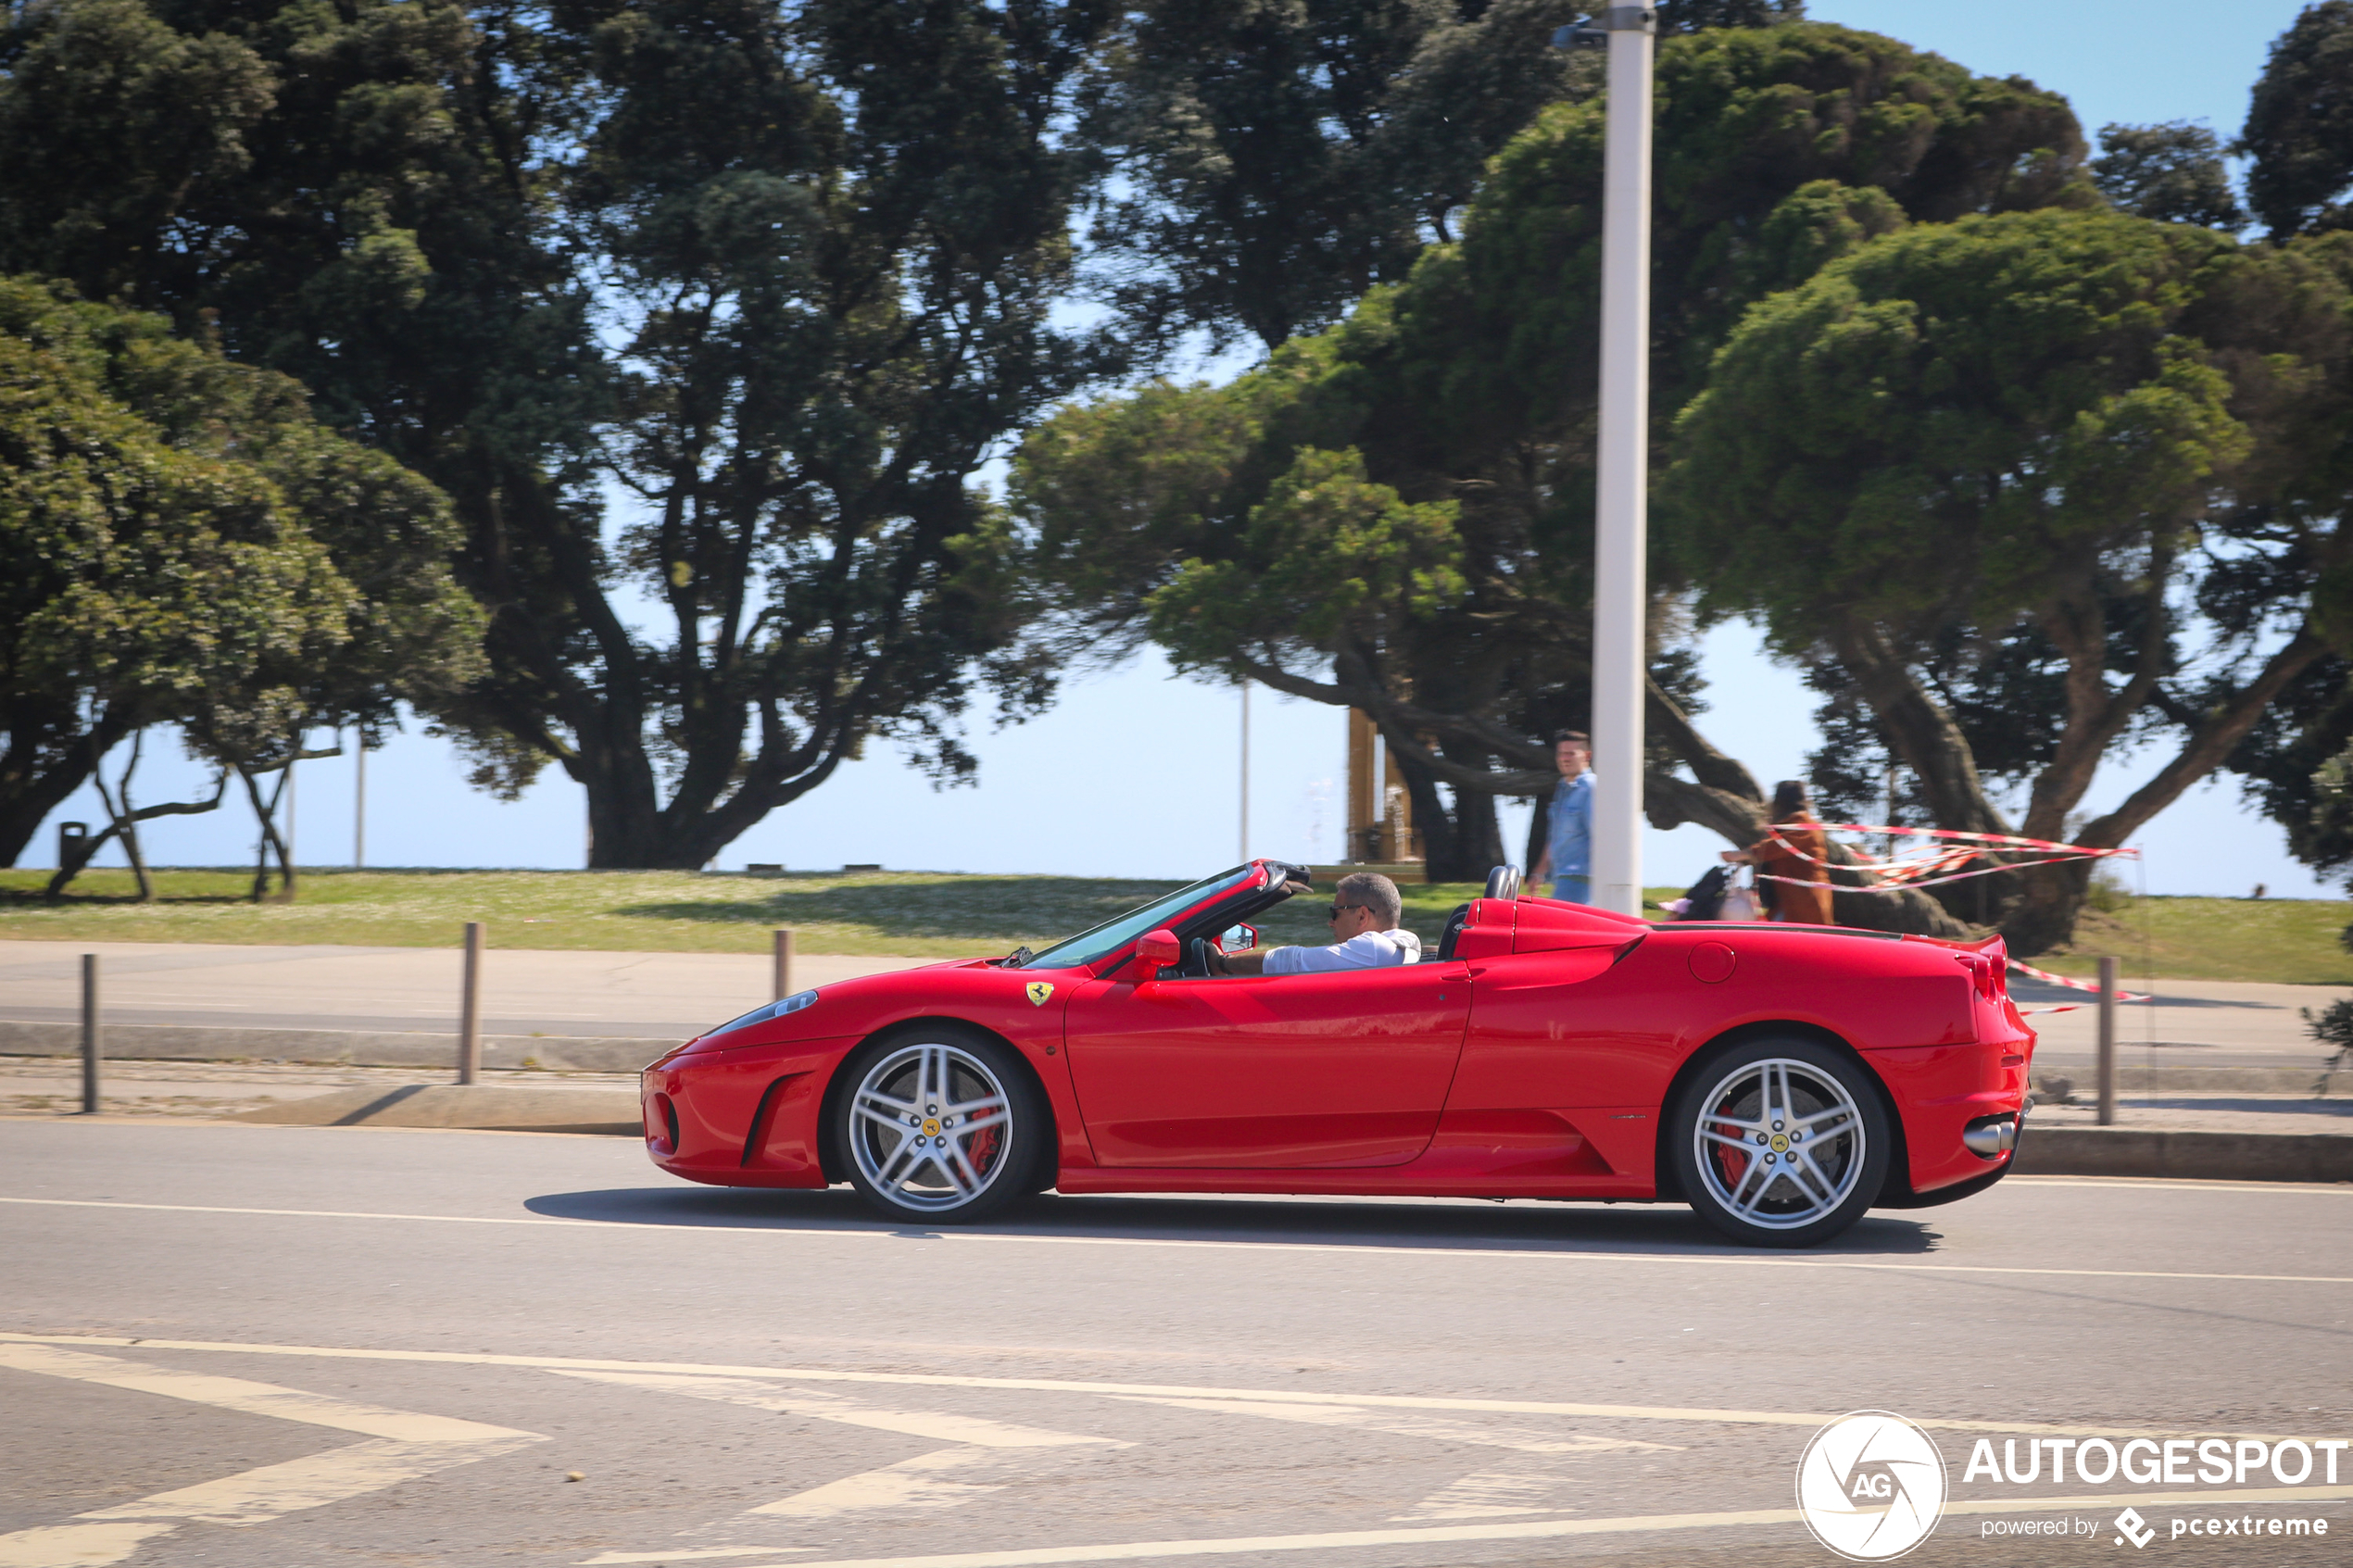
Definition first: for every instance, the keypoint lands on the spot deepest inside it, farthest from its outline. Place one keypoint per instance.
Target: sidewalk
(2187, 1023)
(386, 1006)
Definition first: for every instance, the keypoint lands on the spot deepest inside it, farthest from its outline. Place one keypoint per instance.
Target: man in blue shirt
(1568, 822)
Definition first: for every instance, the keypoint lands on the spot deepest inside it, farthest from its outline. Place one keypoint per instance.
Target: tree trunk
(266, 815)
(2051, 896)
(1923, 734)
(30, 791)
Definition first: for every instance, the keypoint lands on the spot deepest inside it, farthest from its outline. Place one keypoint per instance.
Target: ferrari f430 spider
(1780, 1079)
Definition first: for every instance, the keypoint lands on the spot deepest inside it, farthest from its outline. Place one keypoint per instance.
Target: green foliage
(181, 543)
(1326, 555)
(2299, 127)
(780, 272)
(2171, 172)
(1967, 419)
(1278, 158)
(1469, 385)
(2332, 1026)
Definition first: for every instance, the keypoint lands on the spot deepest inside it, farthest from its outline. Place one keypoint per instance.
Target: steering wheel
(1196, 964)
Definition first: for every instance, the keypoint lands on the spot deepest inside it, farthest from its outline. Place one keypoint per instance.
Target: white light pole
(1245, 790)
(1622, 516)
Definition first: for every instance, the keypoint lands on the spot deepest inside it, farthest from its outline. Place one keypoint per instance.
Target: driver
(1366, 908)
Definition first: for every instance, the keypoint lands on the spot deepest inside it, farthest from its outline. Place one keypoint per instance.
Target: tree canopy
(1276, 158)
(782, 274)
(181, 543)
(2028, 434)
(1463, 398)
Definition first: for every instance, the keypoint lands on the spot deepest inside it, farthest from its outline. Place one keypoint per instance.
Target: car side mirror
(1154, 950)
(1238, 939)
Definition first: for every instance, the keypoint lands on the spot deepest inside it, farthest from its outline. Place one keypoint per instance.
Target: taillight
(1984, 973)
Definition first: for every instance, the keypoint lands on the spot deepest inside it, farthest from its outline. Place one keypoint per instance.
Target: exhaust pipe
(1992, 1138)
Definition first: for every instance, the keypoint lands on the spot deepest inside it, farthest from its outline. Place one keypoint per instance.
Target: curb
(2210, 1157)
(494, 1107)
(342, 1047)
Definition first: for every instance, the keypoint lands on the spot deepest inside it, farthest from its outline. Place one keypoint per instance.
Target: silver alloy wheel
(1779, 1143)
(930, 1126)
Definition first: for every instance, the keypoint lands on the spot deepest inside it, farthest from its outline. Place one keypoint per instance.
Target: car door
(1267, 1071)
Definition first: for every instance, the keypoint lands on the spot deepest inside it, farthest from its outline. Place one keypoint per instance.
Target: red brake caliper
(1730, 1163)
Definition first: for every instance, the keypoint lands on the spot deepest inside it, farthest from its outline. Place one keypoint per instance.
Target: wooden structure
(1380, 812)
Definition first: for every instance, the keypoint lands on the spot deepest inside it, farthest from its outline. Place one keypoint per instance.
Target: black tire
(980, 1135)
(1781, 1191)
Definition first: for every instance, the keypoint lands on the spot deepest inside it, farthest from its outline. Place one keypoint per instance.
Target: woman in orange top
(1794, 846)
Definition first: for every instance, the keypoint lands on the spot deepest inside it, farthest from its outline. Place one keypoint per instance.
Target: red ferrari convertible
(1780, 1079)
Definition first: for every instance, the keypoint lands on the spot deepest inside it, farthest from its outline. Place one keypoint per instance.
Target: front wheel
(1779, 1142)
(941, 1123)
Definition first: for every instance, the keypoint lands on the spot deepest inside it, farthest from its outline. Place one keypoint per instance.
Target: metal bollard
(784, 964)
(93, 1037)
(2108, 1042)
(470, 1009)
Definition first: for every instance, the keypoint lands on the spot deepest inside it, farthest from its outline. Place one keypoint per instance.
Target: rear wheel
(941, 1123)
(1779, 1142)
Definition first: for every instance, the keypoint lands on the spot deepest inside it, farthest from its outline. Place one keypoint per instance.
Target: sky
(1138, 771)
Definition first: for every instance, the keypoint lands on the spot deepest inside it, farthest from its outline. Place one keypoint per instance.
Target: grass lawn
(940, 915)
(921, 914)
(2288, 941)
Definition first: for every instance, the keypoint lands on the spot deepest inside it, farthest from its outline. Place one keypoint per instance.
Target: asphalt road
(293, 1347)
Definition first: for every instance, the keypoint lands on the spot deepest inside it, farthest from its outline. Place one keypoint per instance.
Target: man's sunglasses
(1337, 908)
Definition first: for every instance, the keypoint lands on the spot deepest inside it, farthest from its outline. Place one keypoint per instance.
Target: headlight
(793, 1003)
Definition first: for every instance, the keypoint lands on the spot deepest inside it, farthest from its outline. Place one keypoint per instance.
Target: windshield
(1089, 947)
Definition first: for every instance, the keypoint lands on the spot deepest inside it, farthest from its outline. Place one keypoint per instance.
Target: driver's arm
(1238, 963)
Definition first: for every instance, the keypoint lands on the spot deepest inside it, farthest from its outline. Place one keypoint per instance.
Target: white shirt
(1369, 949)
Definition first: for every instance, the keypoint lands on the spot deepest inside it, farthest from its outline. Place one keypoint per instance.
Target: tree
(2299, 127)
(2171, 172)
(1471, 386)
(784, 272)
(1277, 158)
(183, 544)
(2006, 445)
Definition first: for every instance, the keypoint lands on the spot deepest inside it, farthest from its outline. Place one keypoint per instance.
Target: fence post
(784, 964)
(2108, 1041)
(470, 1009)
(93, 1037)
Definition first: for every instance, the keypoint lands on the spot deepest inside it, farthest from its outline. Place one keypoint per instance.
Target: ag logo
(1038, 991)
(1870, 1486)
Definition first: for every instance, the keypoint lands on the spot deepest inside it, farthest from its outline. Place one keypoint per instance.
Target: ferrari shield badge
(1038, 991)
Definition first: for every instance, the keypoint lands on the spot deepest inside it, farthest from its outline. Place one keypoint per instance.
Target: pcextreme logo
(1870, 1486)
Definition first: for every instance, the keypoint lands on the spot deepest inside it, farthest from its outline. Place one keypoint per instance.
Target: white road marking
(693, 1555)
(1522, 1438)
(765, 1396)
(1489, 1495)
(404, 1445)
(912, 1483)
(76, 1546)
(1054, 1385)
(1129, 1551)
(2161, 1183)
(1554, 1255)
(255, 1496)
(236, 1394)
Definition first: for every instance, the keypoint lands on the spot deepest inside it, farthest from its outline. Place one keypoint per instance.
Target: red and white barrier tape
(1895, 875)
(2004, 840)
(2045, 976)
